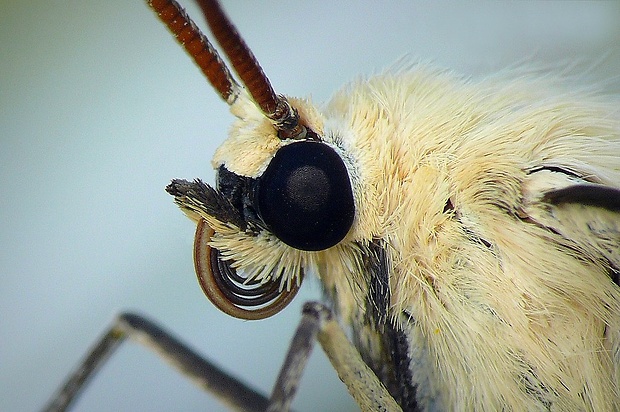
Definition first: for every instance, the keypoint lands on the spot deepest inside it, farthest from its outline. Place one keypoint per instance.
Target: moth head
(283, 193)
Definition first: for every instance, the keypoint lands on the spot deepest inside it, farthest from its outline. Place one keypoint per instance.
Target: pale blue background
(100, 108)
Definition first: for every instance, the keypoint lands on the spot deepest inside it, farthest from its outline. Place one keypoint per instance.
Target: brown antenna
(241, 57)
(244, 62)
(273, 106)
(198, 47)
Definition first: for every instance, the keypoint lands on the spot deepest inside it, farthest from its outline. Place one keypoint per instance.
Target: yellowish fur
(512, 315)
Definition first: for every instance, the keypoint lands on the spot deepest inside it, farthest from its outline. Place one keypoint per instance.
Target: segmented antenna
(244, 62)
(198, 47)
(273, 106)
(241, 57)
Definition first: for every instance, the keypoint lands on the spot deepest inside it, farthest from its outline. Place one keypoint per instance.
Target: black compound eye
(305, 196)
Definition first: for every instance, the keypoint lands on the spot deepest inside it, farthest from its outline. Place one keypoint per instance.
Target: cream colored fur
(509, 298)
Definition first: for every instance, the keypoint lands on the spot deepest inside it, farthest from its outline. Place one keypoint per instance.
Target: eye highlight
(305, 196)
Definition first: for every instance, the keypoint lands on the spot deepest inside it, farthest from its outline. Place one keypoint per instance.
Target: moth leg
(318, 323)
(203, 373)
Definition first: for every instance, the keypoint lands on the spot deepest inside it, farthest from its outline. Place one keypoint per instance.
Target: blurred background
(100, 108)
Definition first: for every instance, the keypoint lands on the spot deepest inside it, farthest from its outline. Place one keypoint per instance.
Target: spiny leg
(318, 323)
(135, 327)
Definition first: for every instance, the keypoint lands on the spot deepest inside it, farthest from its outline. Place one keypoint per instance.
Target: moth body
(465, 232)
(477, 264)
(494, 297)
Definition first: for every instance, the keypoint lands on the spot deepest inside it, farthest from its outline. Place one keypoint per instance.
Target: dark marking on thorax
(389, 355)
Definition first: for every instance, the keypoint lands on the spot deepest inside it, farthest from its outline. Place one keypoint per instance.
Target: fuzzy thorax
(514, 315)
(509, 309)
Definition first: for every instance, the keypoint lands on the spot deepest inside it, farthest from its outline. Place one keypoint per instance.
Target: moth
(466, 232)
